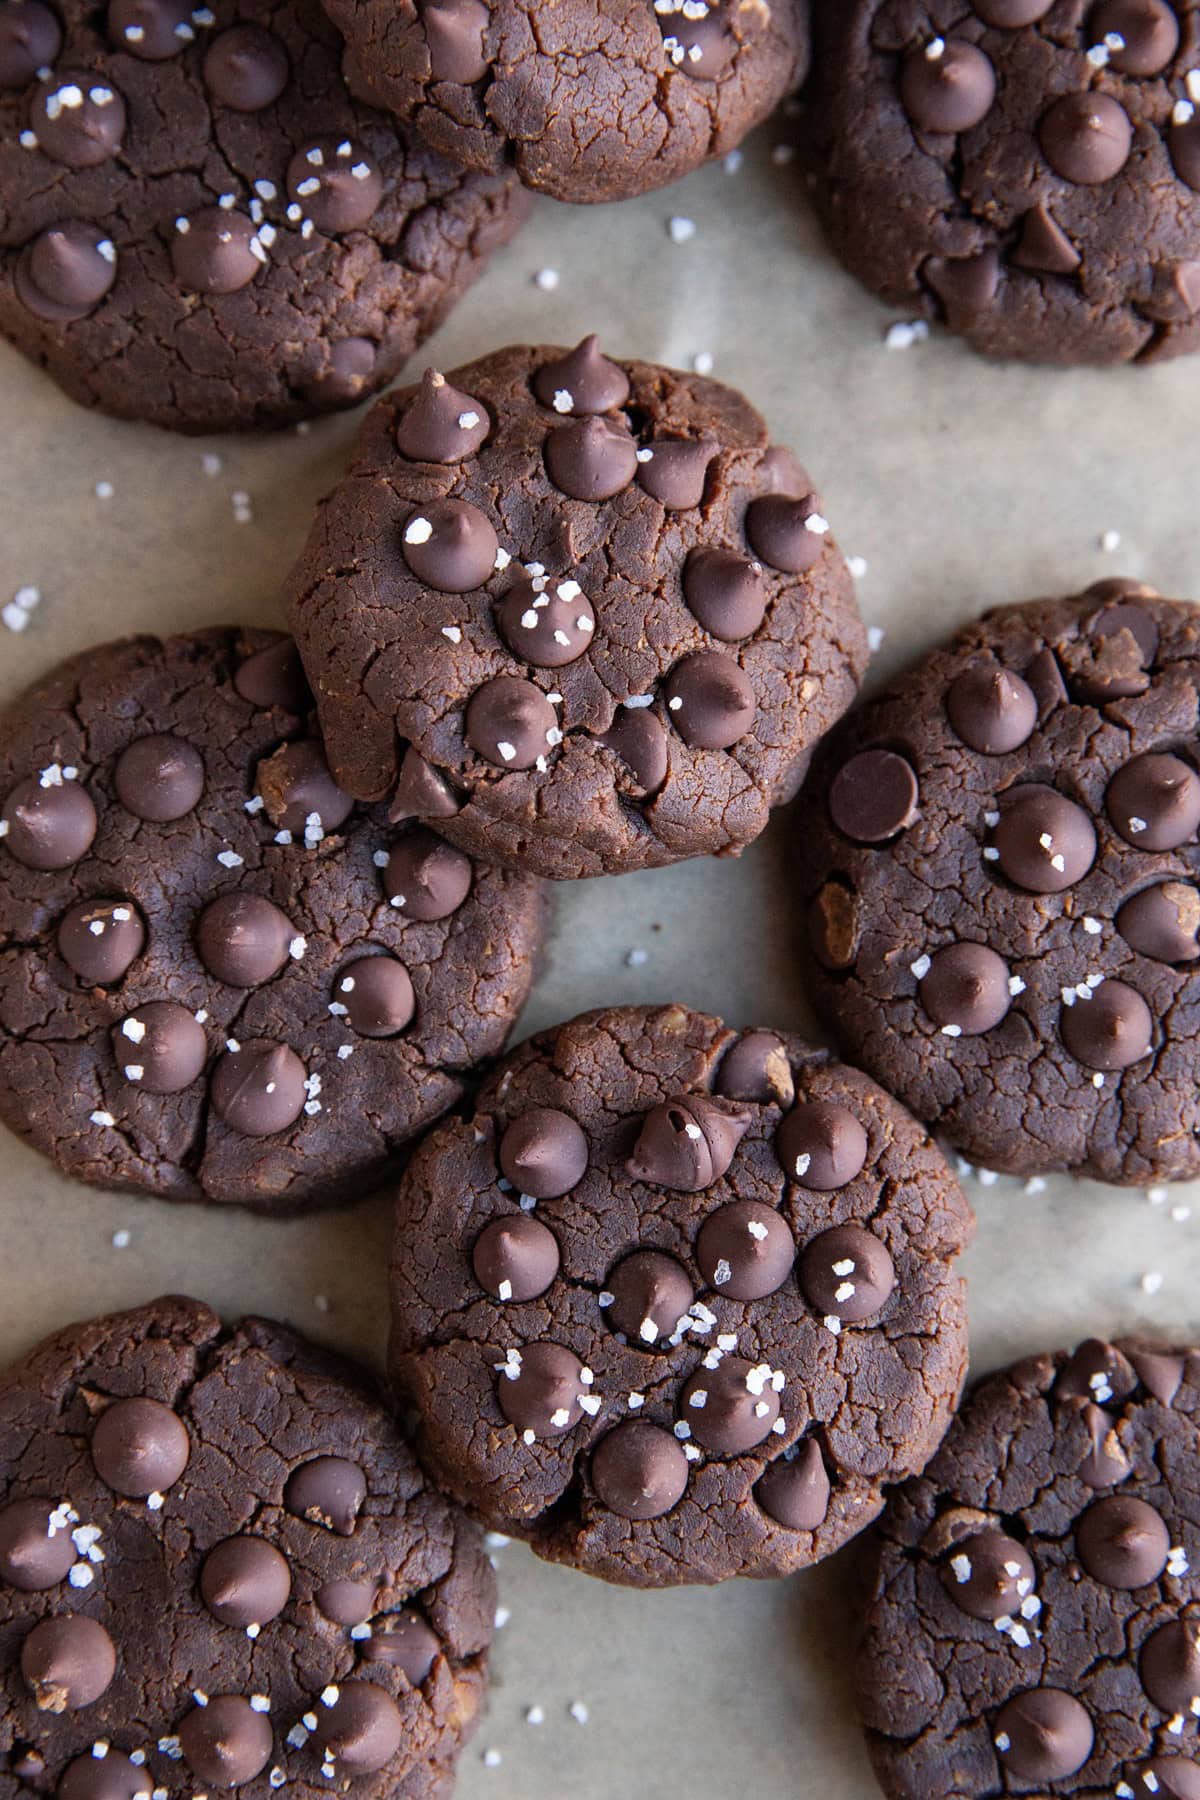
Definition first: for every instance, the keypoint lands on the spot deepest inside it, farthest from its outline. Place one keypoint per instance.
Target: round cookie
(1028, 173)
(598, 100)
(200, 228)
(1001, 861)
(219, 980)
(655, 1300)
(1032, 1621)
(291, 1607)
(575, 614)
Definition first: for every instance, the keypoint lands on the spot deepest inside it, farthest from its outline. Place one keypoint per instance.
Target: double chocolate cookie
(575, 614)
(594, 100)
(220, 1567)
(676, 1303)
(1033, 1625)
(1026, 170)
(1001, 852)
(199, 227)
(219, 979)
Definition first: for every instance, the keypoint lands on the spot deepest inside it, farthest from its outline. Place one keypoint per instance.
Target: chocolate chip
(245, 1581)
(361, 1731)
(988, 1575)
(947, 85)
(702, 47)
(422, 792)
(426, 879)
(30, 40)
(244, 939)
(78, 119)
(547, 623)
(161, 1048)
(1113, 1030)
(337, 183)
(405, 1641)
(139, 1447)
(582, 382)
(159, 778)
(710, 700)
(111, 1777)
(515, 1258)
(48, 822)
(686, 1143)
(650, 1294)
(454, 35)
(1045, 678)
(451, 546)
(745, 1250)
(152, 30)
(1183, 142)
(966, 989)
(100, 940)
(1086, 137)
(347, 374)
(66, 271)
(756, 1068)
(216, 251)
(639, 739)
(259, 1089)
(1095, 1371)
(67, 1662)
(991, 709)
(327, 1491)
(544, 1152)
(539, 1389)
(1009, 14)
(1154, 802)
(36, 1552)
(1045, 842)
(1105, 1462)
(874, 796)
(441, 424)
(591, 459)
(795, 1491)
(246, 68)
(1168, 1777)
(1122, 1542)
(847, 1274)
(274, 677)
(732, 1408)
(377, 993)
(1148, 31)
(725, 593)
(1160, 1373)
(225, 1741)
(787, 534)
(1044, 246)
(674, 471)
(297, 788)
(821, 1145)
(639, 1471)
(511, 723)
(347, 1602)
(1170, 1667)
(966, 284)
(1043, 1734)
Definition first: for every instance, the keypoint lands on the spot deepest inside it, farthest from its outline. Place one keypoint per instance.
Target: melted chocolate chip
(511, 723)
(547, 623)
(66, 271)
(377, 993)
(337, 183)
(686, 1144)
(539, 1389)
(591, 459)
(30, 40)
(422, 792)
(991, 709)
(674, 471)
(1148, 31)
(1043, 1734)
(454, 34)
(361, 1731)
(1046, 843)
(1154, 802)
(965, 990)
(347, 1602)
(48, 822)
(78, 119)
(787, 534)
(274, 677)
(947, 85)
(639, 739)
(67, 1662)
(297, 789)
(112, 1777)
(1170, 1667)
(756, 1068)
(406, 1642)
(226, 1742)
(988, 1575)
(1086, 137)
(216, 251)
(327, 1491)
(1122, 1542)
(152, 30)
(36, 1551)
(1113, 1030)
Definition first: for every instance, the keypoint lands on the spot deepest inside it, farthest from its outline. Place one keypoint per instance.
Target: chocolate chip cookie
(676, 1303)
(1033, 1619)
(1002, 860)
(1027, 171)
(219, 979)
(220, 1567)
(575, 614)
(596, 100)
(199, 227)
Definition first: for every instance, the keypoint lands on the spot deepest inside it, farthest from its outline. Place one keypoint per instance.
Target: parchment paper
(962, 484)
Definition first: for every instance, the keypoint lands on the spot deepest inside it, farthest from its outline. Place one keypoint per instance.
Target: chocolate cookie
(1002, 859)
(199, 227)
(596, 100)
(1033, 1619)
(1027, 171)
(219, 980)
(575, 614)
(658, 1299)
(220, 1567)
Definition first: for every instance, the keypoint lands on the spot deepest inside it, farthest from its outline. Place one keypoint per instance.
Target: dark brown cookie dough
(1027, 171)
(575, 614)
(1001, 858)
(198, 225)
(219, 980)
(220, 1567)
(1032, 1623)
(635, 1340)
(594, 100)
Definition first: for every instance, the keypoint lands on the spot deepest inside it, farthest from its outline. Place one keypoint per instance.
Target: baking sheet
(961, 484)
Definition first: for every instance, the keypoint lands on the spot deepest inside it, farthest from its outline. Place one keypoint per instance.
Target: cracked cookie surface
(1001, 854)
(220, 1567)
(1028, 171)
(598, 100)
(219, 979)
(200, 228)
(576, 615)
(639, 1343)
(1031, 1624)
